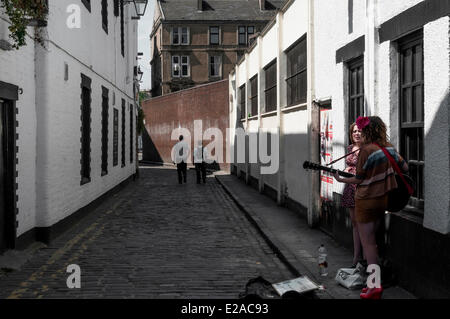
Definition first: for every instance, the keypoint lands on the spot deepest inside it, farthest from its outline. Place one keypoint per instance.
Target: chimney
(200, 5)
(262, 4)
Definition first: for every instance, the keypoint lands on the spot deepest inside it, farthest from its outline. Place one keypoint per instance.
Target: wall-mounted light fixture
(140, 6)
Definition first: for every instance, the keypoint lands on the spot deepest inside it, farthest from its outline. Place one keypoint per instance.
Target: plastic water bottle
(322, 260)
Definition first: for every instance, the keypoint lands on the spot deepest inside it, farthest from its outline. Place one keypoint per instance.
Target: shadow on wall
(421, 256)
(150, 152)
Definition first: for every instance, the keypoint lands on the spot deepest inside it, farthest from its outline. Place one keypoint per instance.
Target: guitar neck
(309, 165)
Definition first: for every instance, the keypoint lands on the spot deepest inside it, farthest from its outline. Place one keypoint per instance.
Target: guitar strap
(396, 168)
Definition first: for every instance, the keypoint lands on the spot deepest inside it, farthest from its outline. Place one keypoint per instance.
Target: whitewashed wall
(18, 68)
(331, 33)
(437, 123)
(50, 108)
(288, 27)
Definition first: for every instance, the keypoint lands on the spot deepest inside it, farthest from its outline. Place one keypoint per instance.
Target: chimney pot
(200, 5)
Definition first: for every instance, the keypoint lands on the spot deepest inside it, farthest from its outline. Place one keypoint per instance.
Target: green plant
(24, 13)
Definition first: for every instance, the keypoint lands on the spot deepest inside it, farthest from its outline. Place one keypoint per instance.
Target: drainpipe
(313, 124)
(281, 171)
(371, 58)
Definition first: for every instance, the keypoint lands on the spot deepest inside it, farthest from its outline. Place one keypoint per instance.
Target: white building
(69, 116)
(375, 57)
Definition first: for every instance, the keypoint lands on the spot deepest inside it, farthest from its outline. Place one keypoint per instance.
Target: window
(215, 66)
(355, 89)
(242, 100)
(184, 66)
(131, 133)
(254, 95)
(296, 81)
(180, 66)
(105, 15)
(123, 133)
(214, 35)
(184, 35)
(175, 36)
(116, 137)
(180, 35)
(105, 114)
(244, 34)
(87, 4)
(175, 66)
(270, 72)
(116, 8)
(250, 32)
(411, 114)
(85, 129)
(122, 29)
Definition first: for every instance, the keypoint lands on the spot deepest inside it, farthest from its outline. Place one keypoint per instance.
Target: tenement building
(67, 115)
(198, 41)
(313, 70)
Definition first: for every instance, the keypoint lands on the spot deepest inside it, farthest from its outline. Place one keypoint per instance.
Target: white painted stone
(49, 110)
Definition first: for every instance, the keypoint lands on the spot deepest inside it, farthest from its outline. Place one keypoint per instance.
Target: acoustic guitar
(317, 167)
(398, 198)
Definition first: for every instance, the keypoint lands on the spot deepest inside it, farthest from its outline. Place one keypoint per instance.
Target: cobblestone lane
(154, 239)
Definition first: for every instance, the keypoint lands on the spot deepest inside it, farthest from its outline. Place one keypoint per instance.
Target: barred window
(123, 133)
(116, 137)
(131, 133)
(254, 95)
(296, 81)
(412, 111)
(122, 29)
(116, 8)
(105, 114)
(105, 15)
(355, 89)
(85, 129)
(270, 91)
(242, 101)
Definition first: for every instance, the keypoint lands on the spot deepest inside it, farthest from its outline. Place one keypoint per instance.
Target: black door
(7, 169)
(2, 178)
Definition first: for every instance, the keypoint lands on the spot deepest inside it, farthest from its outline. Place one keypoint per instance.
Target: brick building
(196, 41)
(67, 117)
(207, 104)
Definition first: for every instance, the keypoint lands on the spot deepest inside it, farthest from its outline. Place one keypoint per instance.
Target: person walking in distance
(199, 161)
(374, 178)
(180, 155)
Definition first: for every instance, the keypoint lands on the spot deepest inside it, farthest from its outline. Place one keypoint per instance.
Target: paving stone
(154, 239)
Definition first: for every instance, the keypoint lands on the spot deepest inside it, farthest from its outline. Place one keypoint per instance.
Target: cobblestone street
(154, 239)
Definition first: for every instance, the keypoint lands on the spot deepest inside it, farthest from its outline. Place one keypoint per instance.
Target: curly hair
(350, 133)
(376, 132)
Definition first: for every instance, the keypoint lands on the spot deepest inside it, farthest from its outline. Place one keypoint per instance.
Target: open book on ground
(301, 285)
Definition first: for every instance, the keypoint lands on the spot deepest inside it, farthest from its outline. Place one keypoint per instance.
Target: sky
(144, 30)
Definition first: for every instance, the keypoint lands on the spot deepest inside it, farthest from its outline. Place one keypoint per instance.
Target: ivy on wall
(22, 14)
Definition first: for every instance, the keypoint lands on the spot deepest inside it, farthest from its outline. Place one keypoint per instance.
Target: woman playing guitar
(374, 178)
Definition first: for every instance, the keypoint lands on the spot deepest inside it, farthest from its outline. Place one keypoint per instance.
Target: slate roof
(219, 9)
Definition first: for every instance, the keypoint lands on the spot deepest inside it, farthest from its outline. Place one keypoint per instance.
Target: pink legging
(367, 233)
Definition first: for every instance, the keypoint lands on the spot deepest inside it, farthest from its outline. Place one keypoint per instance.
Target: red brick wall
(163, 114)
